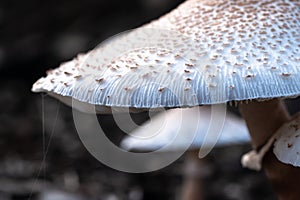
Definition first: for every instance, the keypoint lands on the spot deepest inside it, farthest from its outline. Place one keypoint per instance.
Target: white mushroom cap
(203, 52)
(164, 127)
(287, 144)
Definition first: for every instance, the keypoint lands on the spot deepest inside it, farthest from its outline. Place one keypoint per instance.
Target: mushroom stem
(263, 119)
(194, 172)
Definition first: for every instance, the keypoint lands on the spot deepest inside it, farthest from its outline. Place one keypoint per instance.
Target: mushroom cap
(203, 52)
(287, 143)
(155, 134)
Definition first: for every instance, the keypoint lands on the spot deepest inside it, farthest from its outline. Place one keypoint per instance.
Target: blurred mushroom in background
(162, 129)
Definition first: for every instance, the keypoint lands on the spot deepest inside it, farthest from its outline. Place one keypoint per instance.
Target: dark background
(37, 35)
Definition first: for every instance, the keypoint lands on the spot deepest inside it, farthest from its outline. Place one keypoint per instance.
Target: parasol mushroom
(206, 52)
(155, 134)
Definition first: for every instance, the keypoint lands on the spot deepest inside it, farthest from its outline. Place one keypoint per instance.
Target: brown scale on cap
(286, 74)
(49, 71)
(100, 80)
(68, 73)
(113, 69)
(250, 76)
(161, 89)
(133, 68)
(77, 76)
(127, 89)
(189, 65)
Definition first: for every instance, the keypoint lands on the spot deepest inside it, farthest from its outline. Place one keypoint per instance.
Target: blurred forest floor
(70, 172)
